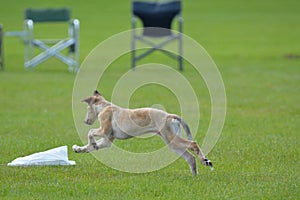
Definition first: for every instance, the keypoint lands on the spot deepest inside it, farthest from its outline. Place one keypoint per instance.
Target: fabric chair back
(48, 14)
(158, 15)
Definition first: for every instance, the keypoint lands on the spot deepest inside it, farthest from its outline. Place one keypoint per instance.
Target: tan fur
(123, 123)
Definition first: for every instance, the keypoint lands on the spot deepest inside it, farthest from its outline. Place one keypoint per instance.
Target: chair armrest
(180, 22)
(74, 25)
(28, 24)
(75, 22)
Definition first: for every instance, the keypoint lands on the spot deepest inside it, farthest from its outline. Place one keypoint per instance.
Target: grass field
(255, 44)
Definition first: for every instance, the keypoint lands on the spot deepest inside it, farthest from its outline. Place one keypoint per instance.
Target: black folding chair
(157, 18)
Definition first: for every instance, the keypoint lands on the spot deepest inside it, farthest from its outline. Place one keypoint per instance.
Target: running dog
(123, 123)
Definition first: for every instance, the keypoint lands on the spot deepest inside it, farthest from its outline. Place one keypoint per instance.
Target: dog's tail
(184, 125)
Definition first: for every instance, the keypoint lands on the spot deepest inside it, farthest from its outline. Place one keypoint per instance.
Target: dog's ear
(96, 93)
(88, 100)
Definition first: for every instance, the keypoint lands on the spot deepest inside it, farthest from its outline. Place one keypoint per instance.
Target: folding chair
(157, 20)
(51, 47)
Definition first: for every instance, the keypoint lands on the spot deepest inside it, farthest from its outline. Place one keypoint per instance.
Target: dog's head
(92, 111)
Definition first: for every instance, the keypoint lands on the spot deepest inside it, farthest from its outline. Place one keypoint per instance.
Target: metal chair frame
(72, 60)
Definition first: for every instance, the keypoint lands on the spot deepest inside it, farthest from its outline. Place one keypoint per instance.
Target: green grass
(257, 155)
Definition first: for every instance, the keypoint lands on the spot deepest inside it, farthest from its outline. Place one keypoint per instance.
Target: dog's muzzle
(88, 122)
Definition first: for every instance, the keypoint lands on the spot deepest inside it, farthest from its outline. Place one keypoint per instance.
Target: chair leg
(133, 40)
(180, 53)
(28, 42)
(180, 60)
(74, 33)
(133, 58)
(180, 63)
(52, 51)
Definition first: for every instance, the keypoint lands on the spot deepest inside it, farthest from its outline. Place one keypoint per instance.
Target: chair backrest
(48, 14)
(156, 14)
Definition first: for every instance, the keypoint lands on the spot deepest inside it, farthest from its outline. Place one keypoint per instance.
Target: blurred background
(238, 31)
(255, 45)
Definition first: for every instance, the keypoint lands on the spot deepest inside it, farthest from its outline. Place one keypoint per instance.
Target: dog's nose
(88, 122)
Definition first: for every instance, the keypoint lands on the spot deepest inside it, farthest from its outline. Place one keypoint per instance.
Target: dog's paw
(208, 163)
(95, 146)
(75, 148)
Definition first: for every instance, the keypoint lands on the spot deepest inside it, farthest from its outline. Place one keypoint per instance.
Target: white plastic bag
(56, 156)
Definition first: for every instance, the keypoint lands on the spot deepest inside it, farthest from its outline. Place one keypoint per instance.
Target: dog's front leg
(104, 132)
(106, 139)
(103, 143)
(99, 144)
(84, 149)
(91, 138)
(91, 143)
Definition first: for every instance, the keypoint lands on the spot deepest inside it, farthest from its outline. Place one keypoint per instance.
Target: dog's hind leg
(193, 146)
(196, 149)
(188, 157)
(176, 127)
(176, 142)
(181, 150)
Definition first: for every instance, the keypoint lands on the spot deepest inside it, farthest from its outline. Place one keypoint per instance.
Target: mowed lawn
(255, 45)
